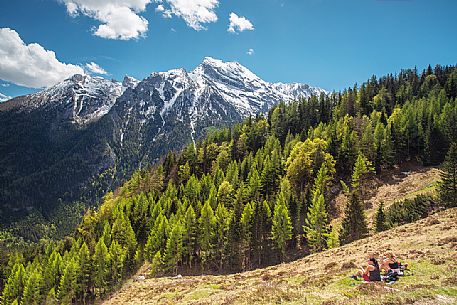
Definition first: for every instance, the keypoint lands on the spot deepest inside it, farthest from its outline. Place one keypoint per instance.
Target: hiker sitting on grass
(391, 264)
(371, 273)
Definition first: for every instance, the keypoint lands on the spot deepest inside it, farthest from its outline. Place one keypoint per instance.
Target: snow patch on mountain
(80, 99)
(4, 98)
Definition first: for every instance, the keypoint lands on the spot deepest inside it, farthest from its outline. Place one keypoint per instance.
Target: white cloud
(30, 65)
(250, 52)
(160, 8)
(4, 98)
(94, 68)
(119, 18)
(194, 12)
(239, 24)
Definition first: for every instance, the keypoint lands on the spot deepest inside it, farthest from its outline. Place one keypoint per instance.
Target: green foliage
(410, 210)
(354, 225)
(362, 168)
(333, 239)
(101, 261)
(281, 231)
(317, 223)
(244, 196)
(381, 222)
(207, 223)
(448, 187)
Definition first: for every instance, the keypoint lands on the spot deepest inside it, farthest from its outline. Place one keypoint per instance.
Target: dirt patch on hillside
(394, 185)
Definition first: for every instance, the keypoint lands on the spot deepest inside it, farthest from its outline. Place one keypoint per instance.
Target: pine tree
(14, 287)
(118, 257)
(448, 187)
(157, 237)
(174, 248)
(33, 288)
(101, 267)
(317, 224)
(156, 264)
(86, 270)
(381, 222)
(362, 168)
(68, 286)
(354, 225)
(190, 235)
(207, 224)
(221, 228)
(281, 230)
(333, 240)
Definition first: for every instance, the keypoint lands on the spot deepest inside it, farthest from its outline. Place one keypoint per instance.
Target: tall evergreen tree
(174, 248)
(448, 187)
(68, 286)
(381, 222)
(33, 288)
(354, 225)
(317, 224)
(207, 223)
(281, 230)
(101, 267)
(190, 235)
(14, 287)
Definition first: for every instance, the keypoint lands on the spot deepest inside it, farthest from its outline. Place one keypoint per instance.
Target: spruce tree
(85, 279)
(246, 229)
(281, 231)
(207, 224)
(317, 224)
(118, 257)
(448, 187)
(33, 288)
(101, 266)
(221, 228)
(333, 240)
(68, 286)
(190, 235)
(317, 227)
(354, 225)
(14, 287)
(381, 222)
(156, 264)
(174, 248)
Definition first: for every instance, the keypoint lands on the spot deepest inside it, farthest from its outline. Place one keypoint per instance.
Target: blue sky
(331, 44)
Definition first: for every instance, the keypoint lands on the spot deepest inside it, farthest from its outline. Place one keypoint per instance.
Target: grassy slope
(429, 246)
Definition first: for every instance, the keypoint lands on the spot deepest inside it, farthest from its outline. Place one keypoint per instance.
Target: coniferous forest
(255, 194)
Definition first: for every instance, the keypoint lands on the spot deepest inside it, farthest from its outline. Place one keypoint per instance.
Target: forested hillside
(251, 195)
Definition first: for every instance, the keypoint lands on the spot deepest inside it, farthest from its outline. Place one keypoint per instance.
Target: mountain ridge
(88, 127)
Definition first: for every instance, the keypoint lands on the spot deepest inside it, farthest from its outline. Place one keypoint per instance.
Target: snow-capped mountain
(84, 136)
(215, 93)
(4, 98)
(80, 99)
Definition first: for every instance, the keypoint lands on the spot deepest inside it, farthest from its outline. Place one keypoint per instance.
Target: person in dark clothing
(371, 273)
